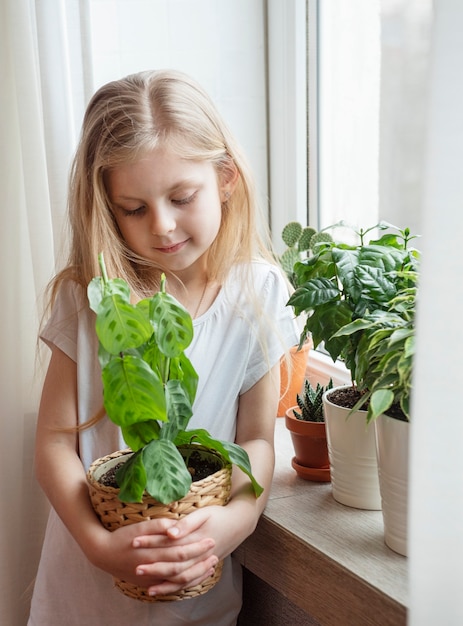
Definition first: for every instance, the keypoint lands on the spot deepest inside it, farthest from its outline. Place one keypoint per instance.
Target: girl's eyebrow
(175, 187)
(183, 183)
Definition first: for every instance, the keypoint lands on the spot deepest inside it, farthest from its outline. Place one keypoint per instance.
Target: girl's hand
(193, 530)
(154, 558)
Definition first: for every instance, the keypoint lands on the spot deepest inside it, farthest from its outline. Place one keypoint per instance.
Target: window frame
(288, 89)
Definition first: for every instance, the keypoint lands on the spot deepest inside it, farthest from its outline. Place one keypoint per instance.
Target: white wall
(220, 43)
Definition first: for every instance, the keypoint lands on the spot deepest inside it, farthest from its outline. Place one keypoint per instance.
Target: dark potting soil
(346, 397)
(199, 467)
(349, 396)
(108, 479)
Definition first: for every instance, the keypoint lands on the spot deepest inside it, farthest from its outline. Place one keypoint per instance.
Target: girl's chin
(175, 264)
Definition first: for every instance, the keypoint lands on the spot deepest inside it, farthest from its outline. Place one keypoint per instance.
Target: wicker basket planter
(212, 490)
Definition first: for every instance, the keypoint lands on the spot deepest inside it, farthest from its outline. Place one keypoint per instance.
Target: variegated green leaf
(120, 325)
(98, 289)
(172, 324)
(131, 478)
(179, 409)
(139, 434)
(182, 369)
(380, 401)
(231, 452)
(132, 392)
(168, 479)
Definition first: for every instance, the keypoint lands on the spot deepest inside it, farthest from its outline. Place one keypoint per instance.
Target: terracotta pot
(288, 392)
(310, 446)
(392, 441)
(352, 452)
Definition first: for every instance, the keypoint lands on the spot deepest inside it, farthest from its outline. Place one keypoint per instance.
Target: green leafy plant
(343, 282)
(301, 242)
(310, 402)
(360, 302)
(149, 388)
(385, 356)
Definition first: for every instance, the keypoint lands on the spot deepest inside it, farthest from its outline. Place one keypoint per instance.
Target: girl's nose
(162, 219)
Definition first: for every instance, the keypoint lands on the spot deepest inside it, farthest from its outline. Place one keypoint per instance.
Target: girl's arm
(62, 477)
(230, 525)
(255, 433)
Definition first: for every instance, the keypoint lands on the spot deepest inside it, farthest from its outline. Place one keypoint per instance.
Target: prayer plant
(149, 386)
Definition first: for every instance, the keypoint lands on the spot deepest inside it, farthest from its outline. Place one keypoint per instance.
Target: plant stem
(102, 264)
(162, 287)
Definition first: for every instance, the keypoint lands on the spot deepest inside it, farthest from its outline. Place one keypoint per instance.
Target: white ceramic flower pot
(392, 439)
(352, 453)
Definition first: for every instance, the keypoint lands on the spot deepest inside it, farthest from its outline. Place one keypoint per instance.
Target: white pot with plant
(385, 366)
(352, 454)
(149, 386)
(338, 285)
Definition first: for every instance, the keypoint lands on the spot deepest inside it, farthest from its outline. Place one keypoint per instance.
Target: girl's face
(168, 209)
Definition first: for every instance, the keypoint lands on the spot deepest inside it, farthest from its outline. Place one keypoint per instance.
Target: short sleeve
(62, 327)
(276, 329)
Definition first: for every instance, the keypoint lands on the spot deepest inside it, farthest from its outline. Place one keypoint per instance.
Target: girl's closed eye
(183, 201)
(134, 212)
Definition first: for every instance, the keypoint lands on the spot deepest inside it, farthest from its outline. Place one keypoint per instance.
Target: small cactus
(291, 234)
(310, 402)
(300, 242)
(320, 238)
(305, 240)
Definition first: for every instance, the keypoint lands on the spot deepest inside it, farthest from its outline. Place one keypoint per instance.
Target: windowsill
(321, 368)
(328, 559)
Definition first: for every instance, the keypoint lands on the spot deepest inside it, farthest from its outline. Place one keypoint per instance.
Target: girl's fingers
(190, 548)
(190, 523)
(151, 527)
(172, 561)
(189, 578)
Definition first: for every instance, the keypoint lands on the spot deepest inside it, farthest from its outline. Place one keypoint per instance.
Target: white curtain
(436, 505)
(34, 64)
(47, 55)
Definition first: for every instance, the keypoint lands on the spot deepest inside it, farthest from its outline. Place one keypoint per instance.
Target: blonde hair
(124, 120)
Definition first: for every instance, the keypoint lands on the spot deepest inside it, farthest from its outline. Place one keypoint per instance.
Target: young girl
(159, 185)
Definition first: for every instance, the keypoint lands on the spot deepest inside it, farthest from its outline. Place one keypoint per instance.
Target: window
(324, 112)
(342, 105)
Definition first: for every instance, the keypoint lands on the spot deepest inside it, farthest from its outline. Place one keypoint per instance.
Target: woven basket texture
(212, 490)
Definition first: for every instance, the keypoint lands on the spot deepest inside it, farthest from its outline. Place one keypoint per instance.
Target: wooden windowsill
(328, 559)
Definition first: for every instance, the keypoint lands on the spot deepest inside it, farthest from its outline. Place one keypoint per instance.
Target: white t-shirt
(228, 354)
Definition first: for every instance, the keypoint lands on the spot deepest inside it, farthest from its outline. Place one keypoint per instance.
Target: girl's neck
(197, 297)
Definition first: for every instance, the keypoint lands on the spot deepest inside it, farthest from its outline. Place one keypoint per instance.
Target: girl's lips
(173, 248)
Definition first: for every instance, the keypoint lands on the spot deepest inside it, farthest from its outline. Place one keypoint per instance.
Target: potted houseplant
(339, 284)
(149, 386)
(384, 371)
(300, 242)
(306, 424)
